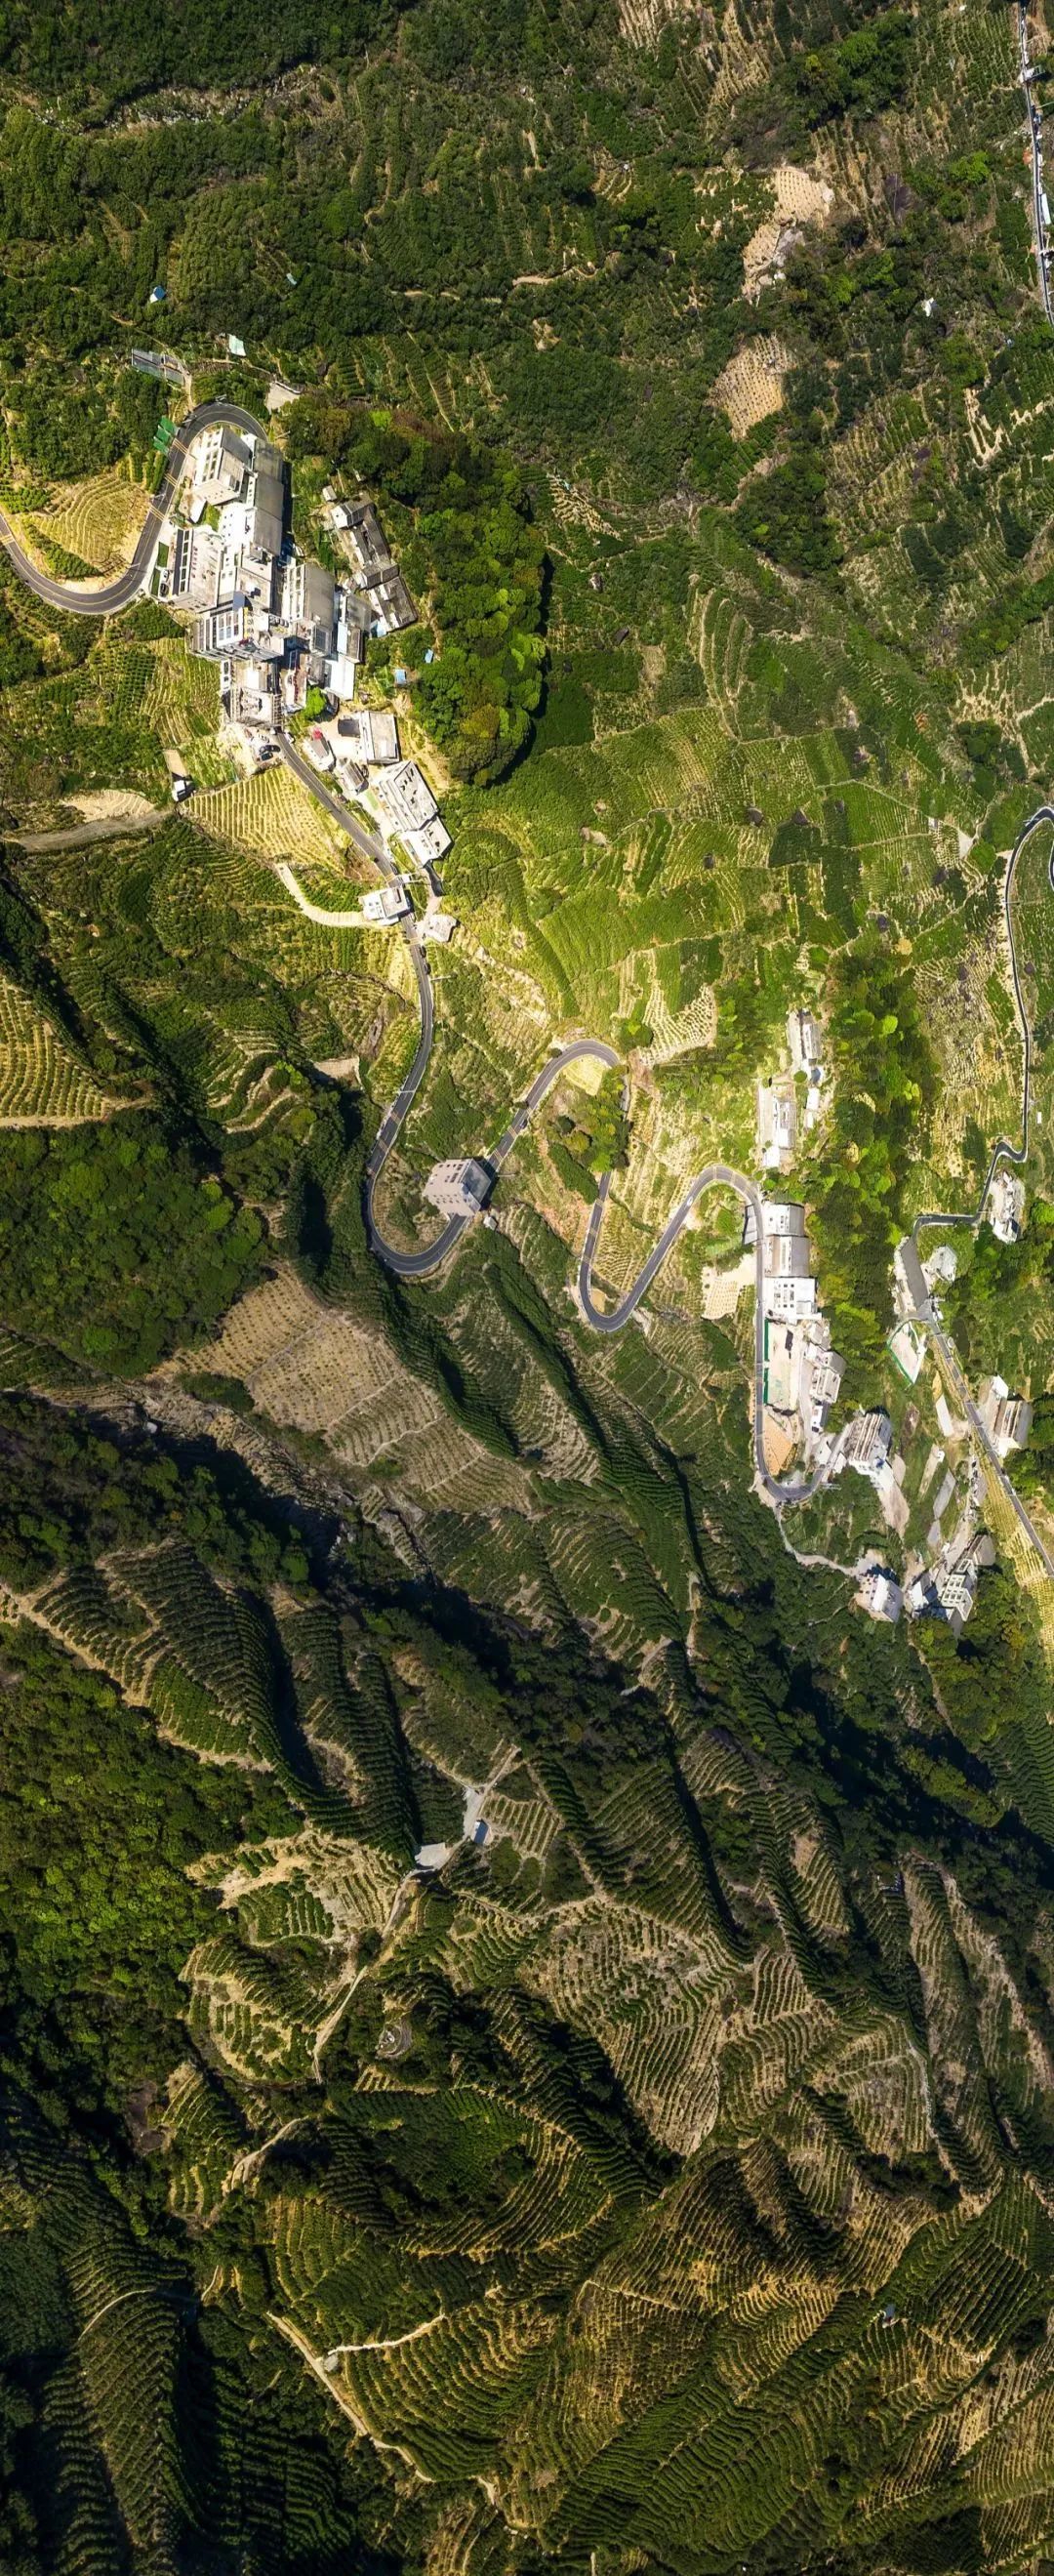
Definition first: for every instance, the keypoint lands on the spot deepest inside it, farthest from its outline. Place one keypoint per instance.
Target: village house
(386, 903)
(371, 735)
(881, 1595)
(1007, 1418)
(777, 1124)
(1006, 1206)
(459, 1188)
(804, 1040)
(367, 547)
(867, 1443)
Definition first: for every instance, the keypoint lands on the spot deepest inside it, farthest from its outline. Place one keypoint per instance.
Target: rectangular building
(371, 735)
(867, 1443)
(459, 1188)
(222, 464)
(405, 797)
(222, 630)
(777, 1123)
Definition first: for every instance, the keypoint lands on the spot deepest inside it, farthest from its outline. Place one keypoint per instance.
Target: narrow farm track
(1035, 136)
(108, 598)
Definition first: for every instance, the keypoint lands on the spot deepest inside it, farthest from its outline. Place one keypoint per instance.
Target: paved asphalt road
(105, 599)
(1004, 1151)
(108, 598)
(408, 1265)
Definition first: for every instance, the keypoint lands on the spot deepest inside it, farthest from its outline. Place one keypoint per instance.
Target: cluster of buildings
(801, 1374)
(358, 536)
(276, 625)
(946, 1587)
(361, 752)
(780, 1109)
(279, 626)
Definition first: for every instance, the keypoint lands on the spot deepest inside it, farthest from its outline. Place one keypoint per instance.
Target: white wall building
(459, 1188)
(405, 797)
(1006, 1206)
(386, 903)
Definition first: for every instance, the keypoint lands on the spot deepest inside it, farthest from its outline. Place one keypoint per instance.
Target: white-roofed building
(405, 797)
(459, 1188)
(1006, 1206)
(222, 464)
(777, 1123)
(386, 903)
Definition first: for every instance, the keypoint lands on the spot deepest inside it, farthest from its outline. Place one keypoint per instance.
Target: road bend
(109, 598)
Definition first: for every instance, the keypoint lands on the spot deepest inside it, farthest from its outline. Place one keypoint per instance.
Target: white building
(341, 674)
(821, 1372)
(941, 1265)
(307, 602)
(405, 797)
(222, 462)
(192, 575)
(780, 1217)
(222, 630)
(371, 735)
(785, 1251)
(459, 1188)
(777, 1124)
(788, 1300)
(1008, 1418)
(429, 844)
(867, 1443)
(318, 751)
(948, 1589)
(804, 1040)
(1006, 1206)
(881, 1594)
(386, 903)
(249, 692)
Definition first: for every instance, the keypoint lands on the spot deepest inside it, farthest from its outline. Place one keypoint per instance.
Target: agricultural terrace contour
(226, 449)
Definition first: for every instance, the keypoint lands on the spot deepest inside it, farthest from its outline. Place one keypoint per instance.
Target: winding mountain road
(108, 598)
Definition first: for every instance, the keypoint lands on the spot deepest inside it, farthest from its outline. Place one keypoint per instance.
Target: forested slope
(660, 2179)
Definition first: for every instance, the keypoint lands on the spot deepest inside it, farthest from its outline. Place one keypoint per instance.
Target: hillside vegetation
(658, 2181)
